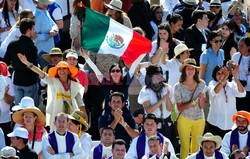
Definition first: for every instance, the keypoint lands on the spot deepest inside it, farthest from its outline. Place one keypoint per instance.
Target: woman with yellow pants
(190, 100)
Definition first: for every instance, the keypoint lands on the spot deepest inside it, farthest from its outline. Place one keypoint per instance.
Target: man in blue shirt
(123, 123)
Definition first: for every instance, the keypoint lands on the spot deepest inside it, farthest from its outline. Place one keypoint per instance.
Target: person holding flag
(115, 80)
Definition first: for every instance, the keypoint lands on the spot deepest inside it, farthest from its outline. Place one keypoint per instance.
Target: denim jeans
(22, 91)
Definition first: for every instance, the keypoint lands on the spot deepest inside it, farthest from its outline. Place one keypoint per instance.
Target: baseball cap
(19, 132)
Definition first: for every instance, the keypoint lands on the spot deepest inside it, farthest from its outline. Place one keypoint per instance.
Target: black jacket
(27, 153)
(24, 45)
(194, 39)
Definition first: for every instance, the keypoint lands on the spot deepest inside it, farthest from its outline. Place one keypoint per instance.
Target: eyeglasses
(117, 71)
(225, 93)
(216, 41)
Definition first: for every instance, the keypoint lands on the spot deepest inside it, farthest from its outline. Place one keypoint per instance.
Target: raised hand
(84, 54)
(22, 58)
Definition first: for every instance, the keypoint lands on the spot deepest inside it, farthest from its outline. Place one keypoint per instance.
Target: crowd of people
(187, 98)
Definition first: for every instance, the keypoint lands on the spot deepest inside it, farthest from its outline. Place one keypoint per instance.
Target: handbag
(175, 123)
(66, 19)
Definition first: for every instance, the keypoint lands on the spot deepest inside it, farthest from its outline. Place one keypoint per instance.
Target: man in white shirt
(238, 138)
(104, 149)
(209, 147)
(61, 143)
(139, 146)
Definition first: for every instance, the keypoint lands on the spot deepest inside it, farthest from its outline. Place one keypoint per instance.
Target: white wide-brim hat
(115, 5)
(19, 132)
(190, 2)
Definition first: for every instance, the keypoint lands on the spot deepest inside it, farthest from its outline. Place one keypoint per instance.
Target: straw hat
(80, 117)
(18, 116)
(215, 3)
(209, 137)
(63, 64)
(190, 2)
(8, 152)
(242, 114)
(47, 2)
(4, 69)
(25, 103)
(180, 48)
(115, 5)
(189, 62)
(53, 51)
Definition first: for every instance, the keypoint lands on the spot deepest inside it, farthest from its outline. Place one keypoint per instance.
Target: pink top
(82, 78)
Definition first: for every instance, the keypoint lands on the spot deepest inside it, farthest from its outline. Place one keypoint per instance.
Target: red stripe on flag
(137, 46)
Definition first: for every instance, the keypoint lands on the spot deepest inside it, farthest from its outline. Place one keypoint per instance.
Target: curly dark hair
(6, 12)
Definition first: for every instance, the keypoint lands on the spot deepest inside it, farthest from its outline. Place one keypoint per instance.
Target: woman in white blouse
(157, 98)
(222, 99)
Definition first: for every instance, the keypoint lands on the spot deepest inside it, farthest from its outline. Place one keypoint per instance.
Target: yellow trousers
(189, 129)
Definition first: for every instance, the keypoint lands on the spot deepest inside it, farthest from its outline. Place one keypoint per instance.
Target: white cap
(180, 48)
(8, 151)
(72, 54)
(19, 132)
(25, 103)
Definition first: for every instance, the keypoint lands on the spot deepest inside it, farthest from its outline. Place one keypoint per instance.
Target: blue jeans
(22, 91)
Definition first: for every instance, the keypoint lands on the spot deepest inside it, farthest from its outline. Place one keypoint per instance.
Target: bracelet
(30, 66)
(160, 48)
(194, 102)
(125, 124)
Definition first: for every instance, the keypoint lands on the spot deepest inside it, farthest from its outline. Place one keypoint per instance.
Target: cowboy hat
(62, 64)
(242, 114)
(190, 2)
(189, 62)
(80, 117)
(209, 137)
(54, 51)
(47, 2)
(215, 3)
(18, 116)
(4, 69)
(180, 49)
(115, 5)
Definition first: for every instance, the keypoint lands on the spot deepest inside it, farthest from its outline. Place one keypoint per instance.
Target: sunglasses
(55, 55)
(216, 41)
(215, 7)
(117, 71)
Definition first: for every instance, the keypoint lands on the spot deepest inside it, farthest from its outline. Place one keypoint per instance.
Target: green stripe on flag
(94, 29)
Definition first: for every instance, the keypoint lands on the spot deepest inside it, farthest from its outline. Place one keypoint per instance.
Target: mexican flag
(101, 34)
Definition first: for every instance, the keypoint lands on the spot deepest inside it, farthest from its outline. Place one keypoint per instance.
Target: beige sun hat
(209, 137)
(115, 5)
(18, 116)
(189, 62)
(180, 48)
(190, 2)
(53, 51)
(215, 3)
(80, 117)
